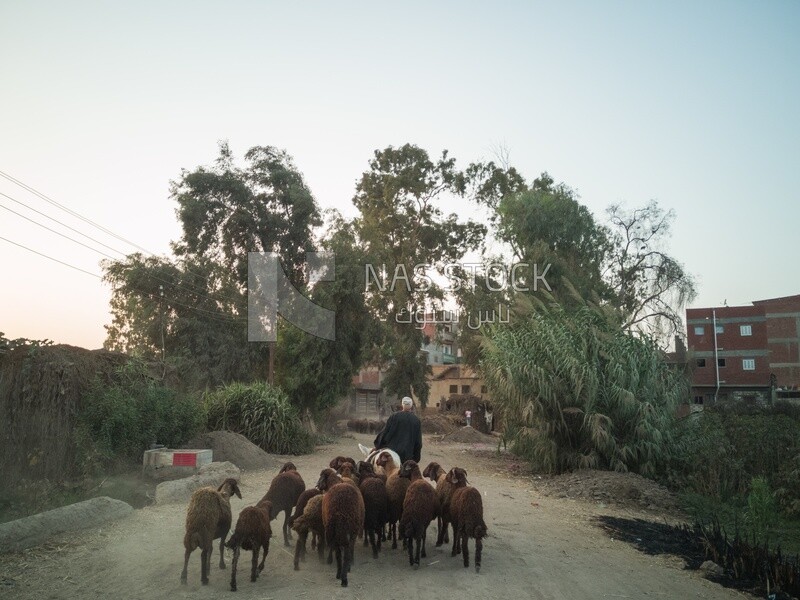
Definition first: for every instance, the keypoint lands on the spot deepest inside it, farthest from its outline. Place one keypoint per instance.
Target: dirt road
(538, 547)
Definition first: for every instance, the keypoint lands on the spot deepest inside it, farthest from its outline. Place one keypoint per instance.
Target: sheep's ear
(236, 491)
(452, 477)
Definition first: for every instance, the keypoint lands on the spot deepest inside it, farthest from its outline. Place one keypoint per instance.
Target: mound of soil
(627, 489)
(235, 448)
(468, 435)
(439, 423)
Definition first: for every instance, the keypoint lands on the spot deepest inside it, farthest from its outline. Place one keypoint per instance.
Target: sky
(102, 104)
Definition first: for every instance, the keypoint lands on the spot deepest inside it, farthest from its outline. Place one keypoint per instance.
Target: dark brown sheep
(348, 471)
(376, 507)
(339, 461)
(396, 487)
(283, 493)
(208, 518)
(419, 509)
(300, 507)
(252, 533)
(444, 489)
(466, 512)
(309, 521)
(343, 518)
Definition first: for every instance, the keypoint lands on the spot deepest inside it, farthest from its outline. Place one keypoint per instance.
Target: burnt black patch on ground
(746, 567)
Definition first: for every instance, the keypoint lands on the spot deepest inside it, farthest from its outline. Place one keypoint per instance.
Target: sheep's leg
(339, 574)
(330, 555)
(301, 540)
(254, 563)
(366, 537)
(263, 560)
(234, 565)
(373, 544)
(221, 551)
(418, 541)
(313, 540)
(287, 534)
(321, 548)
(439, 532)
(456, 546)
(185, 566)
(465, 548)
(446, 525)
(205, 555)
(478, 551)
(342, 561)
(352, 551)
(393, 534)
(424, 537)
(410, 548)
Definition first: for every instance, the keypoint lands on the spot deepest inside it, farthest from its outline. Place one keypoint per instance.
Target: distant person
(402, 433)
(468, 414)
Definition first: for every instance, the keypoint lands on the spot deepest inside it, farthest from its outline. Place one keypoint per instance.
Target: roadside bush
(580, 391)
(262, 413)
(118, 421)
(719, 452)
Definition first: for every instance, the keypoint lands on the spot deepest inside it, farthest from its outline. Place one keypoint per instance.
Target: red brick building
(742, 352)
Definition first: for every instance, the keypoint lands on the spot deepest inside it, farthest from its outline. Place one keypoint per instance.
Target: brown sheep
(348, 471)
(298, 510)
(444, 489)
(343, 518)
(252, 533)
(396, 487)
(466, 512)
(283, 493)
(419, 509)
(339, 461)
(376, 506)
(310, 520)
(208, 518)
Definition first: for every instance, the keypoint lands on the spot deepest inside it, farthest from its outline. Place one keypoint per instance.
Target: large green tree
(401, 226)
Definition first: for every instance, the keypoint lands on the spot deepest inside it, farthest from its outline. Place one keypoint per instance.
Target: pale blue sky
(693, 104)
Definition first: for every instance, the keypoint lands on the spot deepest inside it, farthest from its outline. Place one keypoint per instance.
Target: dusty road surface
(538, 547)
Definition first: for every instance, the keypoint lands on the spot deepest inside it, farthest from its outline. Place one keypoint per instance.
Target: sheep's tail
(480, 531)
(192, 540)
(234, 541)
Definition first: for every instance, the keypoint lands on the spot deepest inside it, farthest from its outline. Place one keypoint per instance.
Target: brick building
(743, 352)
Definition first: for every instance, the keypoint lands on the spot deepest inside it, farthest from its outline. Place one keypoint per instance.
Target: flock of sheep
(350, 499)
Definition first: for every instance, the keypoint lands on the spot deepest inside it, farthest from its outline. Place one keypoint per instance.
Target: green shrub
(579, 392)
(761, 512)
(262, 413)
(118, 421)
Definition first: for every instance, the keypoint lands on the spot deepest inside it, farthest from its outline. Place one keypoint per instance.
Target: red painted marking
(184, 459)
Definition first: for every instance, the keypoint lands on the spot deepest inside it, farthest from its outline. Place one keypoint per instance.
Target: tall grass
(580, 391)
(262, 413)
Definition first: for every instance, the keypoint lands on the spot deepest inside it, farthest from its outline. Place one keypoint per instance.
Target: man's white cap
(407, 401)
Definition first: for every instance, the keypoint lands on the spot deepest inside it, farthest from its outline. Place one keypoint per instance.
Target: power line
(71, 212)
(51, 258)
(54, 231)
(62, 224)
(68, 210)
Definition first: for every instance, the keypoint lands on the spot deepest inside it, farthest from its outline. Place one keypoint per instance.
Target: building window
(701, 362)
(465, 389)
(448, 349)
(745, 330)
(748, 364)
(700, 330)
(453, 389)
(720, 362)
(698, 399)
(720, 329)
(483, 389)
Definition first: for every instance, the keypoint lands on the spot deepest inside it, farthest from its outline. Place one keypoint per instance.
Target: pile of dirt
(440, 423)
(235, 448)
(608, 487)
(468, 435)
